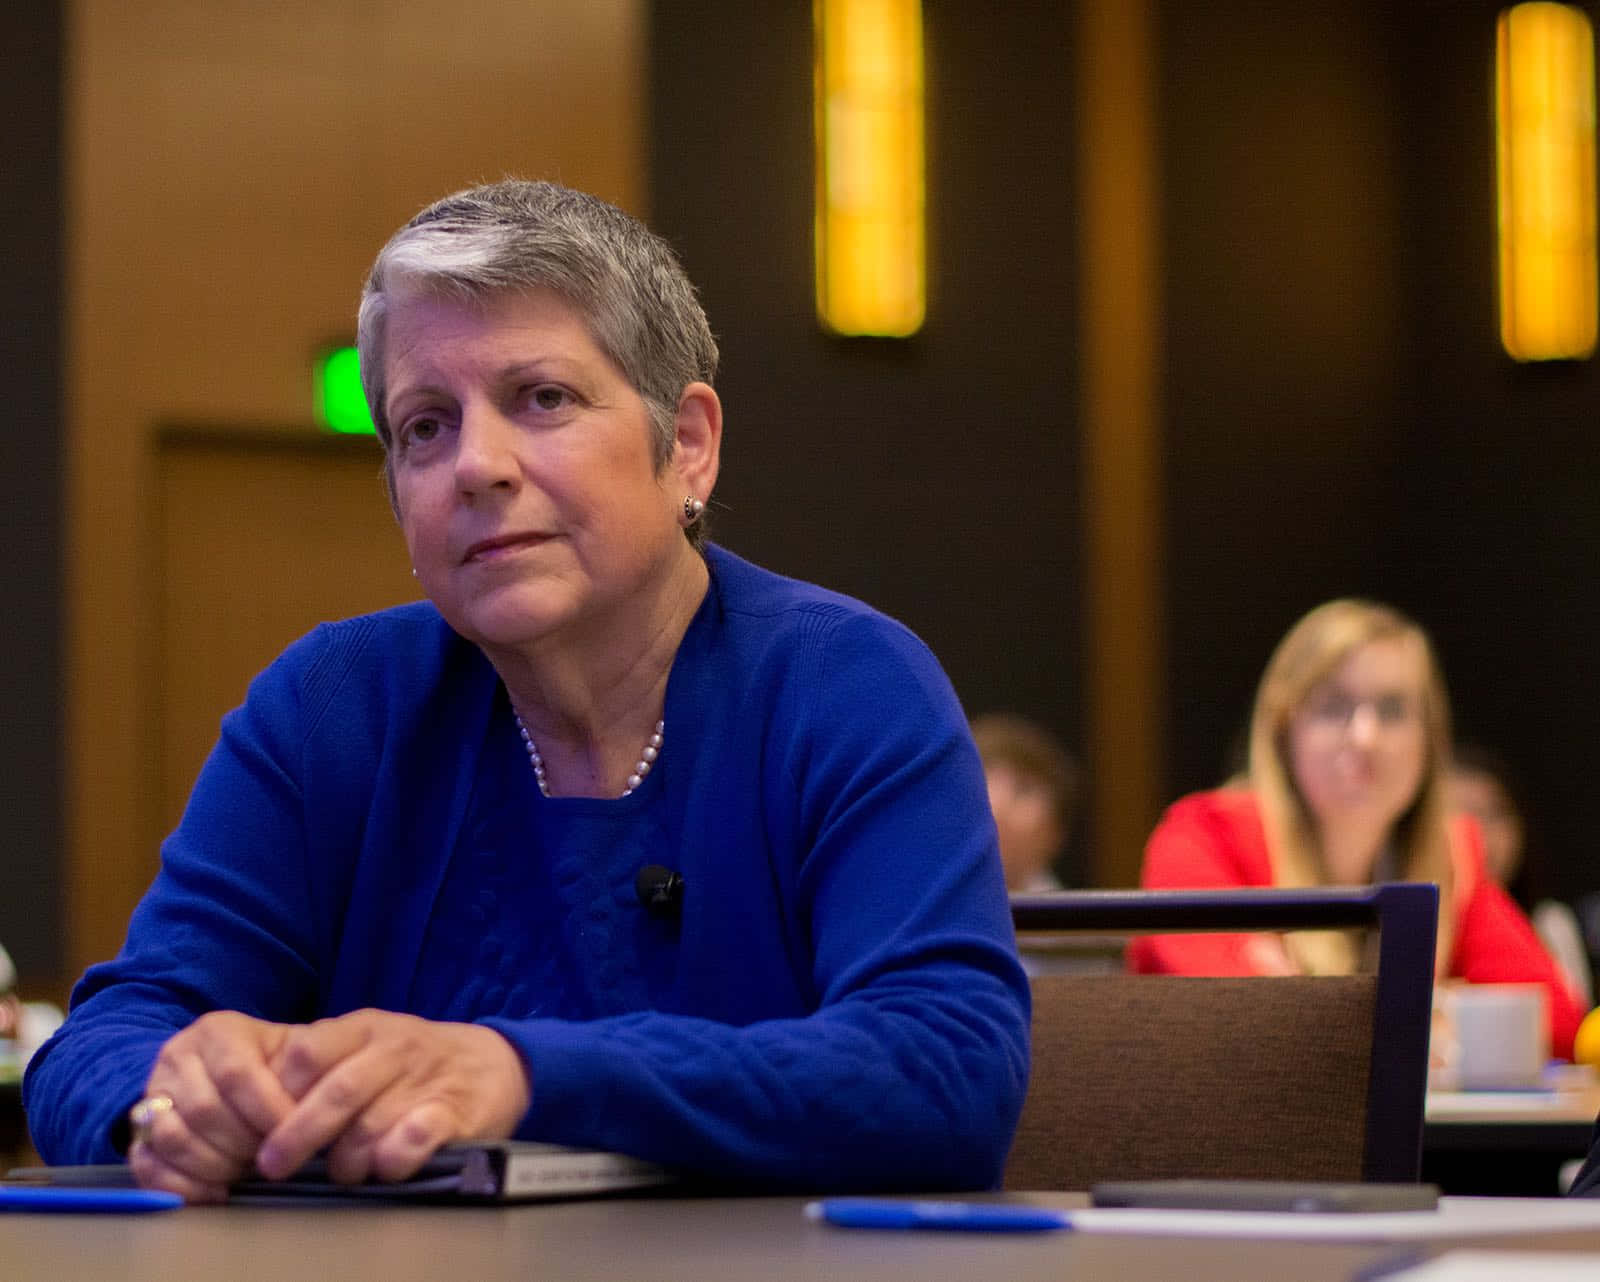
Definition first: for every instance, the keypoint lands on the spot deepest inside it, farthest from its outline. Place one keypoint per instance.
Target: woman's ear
(697, 439)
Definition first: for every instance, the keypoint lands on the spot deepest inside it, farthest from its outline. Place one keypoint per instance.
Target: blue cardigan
(839, 1006)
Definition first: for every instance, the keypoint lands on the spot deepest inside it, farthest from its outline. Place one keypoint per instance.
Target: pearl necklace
(641, 767)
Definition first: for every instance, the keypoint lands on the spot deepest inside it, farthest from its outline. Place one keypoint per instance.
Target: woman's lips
(501, 546)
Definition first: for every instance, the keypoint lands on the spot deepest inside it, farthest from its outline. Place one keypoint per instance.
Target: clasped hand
(379, 1091)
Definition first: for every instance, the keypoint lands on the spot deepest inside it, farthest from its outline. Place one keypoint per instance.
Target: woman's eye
(419, 432)
(1333, 707)
(550, 397)
(1395, 709)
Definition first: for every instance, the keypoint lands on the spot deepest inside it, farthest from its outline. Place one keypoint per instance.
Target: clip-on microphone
(660, 890)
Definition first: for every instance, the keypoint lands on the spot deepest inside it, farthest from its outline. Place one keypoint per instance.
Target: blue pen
(58, 1198)
(980, 1217)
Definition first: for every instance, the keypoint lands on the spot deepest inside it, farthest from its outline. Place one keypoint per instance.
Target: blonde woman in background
(1349, 756)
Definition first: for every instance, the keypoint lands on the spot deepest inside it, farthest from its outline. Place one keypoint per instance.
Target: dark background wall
(1341, 417)
(1338, 416)
(1286, 370)
(1503, 469)
(934, 477)
(31, 454)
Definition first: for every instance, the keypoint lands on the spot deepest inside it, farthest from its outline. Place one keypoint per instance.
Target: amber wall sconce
(1545, 171)
(870, 240)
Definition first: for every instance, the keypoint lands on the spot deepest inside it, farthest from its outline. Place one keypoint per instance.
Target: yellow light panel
(1544, 117)
(871, 271)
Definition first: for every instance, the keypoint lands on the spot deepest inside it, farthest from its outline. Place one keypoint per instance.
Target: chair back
(1291, 1077)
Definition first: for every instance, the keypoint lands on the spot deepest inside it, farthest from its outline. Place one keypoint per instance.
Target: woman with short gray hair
(621, 278)
(615, 841)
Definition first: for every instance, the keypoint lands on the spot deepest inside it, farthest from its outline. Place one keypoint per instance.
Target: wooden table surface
(702, 1239)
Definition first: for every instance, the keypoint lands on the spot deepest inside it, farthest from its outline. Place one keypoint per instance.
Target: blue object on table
(980, 1217)
(57, 1199)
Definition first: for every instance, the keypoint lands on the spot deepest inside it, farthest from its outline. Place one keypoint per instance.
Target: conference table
(1506, 1142)
(642, 1238)
(13, 1128)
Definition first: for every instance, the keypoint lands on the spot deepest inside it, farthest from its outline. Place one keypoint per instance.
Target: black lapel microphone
(660, 890)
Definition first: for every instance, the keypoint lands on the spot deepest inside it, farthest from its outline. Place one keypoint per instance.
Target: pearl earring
(692, 508)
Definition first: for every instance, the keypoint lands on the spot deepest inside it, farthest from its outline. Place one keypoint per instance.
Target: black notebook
(500, 1171)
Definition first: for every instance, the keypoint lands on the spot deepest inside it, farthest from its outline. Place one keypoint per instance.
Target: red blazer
(1217, 839)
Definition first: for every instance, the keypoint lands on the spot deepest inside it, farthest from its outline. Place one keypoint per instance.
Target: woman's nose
(1364, 723)
(485, 451)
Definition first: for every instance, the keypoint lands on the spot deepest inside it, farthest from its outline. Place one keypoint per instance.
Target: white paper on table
(1497, 1266)
(1457, 1217)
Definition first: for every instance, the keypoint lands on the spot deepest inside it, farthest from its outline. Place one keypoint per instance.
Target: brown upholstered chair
(1298, 1077)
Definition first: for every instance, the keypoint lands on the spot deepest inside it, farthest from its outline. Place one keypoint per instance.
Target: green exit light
(341, 403)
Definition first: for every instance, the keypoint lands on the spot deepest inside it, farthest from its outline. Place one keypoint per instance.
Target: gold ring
(142, 1116)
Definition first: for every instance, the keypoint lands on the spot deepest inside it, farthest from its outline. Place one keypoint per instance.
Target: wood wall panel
(233, 167)
(319, 544)
(1121, 336)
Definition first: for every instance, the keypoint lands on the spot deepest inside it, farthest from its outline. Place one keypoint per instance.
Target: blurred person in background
(1481, 786)
(1033, 791)
(1347, 785)
(24, 1026)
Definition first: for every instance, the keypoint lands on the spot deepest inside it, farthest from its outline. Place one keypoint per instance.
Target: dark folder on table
(501, 1171)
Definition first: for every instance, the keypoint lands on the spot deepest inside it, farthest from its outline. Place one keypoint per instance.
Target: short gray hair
(622, 279)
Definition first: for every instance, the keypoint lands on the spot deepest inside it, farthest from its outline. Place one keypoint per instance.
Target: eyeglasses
(1336, 710)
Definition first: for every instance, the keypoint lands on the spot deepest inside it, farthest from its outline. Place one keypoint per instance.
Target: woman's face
(1358, 742)
(523, 472)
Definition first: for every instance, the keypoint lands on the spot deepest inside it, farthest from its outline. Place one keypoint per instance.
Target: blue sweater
(840, 1005)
